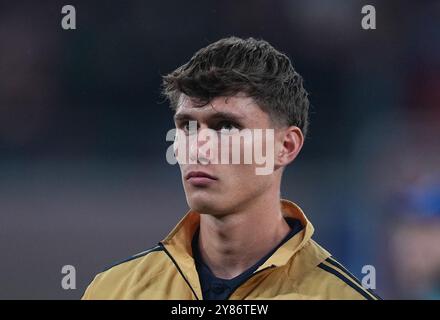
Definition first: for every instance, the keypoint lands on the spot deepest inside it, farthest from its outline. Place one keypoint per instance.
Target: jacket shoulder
(136, 256)
(113, 281)
(340, 283)
(320, 276)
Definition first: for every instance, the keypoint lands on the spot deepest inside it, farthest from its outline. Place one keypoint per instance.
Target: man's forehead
(235, 105)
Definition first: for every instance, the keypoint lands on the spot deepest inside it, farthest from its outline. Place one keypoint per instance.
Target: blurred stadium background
(83, 175)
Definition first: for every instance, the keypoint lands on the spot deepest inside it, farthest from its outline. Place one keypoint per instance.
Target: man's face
(213, 185)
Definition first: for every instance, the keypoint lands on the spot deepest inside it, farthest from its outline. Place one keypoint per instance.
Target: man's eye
(227, 127)
(188, 126)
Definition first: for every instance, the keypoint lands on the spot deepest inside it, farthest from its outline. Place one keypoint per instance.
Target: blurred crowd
(92, 96)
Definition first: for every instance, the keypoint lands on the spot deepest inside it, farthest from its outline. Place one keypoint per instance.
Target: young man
(239, 240)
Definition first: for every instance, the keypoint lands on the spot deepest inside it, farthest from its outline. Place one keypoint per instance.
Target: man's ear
(290, 142)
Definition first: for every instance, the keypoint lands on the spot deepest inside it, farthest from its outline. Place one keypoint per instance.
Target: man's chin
(201, 206)
(206, 205)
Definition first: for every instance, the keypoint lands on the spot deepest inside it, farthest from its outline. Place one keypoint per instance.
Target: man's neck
(231, 244)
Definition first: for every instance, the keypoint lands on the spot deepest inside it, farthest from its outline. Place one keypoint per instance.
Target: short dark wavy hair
(232, 65)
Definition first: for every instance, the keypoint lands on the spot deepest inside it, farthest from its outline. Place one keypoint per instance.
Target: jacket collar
(178, 243)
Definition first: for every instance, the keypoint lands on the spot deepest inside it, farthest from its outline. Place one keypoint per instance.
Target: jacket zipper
(180, 271)
(243, 282)
(189, 285)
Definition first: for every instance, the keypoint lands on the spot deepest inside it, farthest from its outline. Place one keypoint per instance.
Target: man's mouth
(200, 178)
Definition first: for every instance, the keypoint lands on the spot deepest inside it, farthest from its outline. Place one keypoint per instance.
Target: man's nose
(196, 142)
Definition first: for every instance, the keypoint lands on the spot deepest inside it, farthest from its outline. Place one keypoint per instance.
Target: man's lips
(200, 178)
(199, 174)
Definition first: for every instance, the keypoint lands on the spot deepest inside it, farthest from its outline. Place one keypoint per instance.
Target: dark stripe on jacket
(345, 280)
(138, 255)
(335, 263)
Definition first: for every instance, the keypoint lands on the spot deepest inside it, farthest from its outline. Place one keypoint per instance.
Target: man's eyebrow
(183, 116)
(219, 115)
